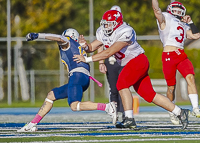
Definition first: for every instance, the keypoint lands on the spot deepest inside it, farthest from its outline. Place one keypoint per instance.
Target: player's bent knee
(51, 96)
(150, 96)
(75, 106)
(121, 86)
(150, 100)
(190, 78)
(171, 88)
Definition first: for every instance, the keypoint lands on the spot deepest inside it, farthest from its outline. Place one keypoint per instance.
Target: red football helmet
(111, 20)
(177, 9)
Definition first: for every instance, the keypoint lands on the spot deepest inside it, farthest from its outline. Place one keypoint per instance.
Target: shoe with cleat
(183, 117)
(29, 127)
(112, 111)
(174, 119)
(127, 123)
(196, 112)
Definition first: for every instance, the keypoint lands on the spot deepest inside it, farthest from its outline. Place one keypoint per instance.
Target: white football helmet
(71, 33)
(116, 7)
(177, 9)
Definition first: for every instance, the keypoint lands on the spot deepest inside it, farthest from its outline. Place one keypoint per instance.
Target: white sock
(177, 110)
(194, 100)
(129, 113)
(173, 103)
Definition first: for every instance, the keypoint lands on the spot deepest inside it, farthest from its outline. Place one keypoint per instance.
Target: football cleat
(112, 111)
(183, 117)
(29, 127)
(174, 119)
(196, 112)
(127, 123)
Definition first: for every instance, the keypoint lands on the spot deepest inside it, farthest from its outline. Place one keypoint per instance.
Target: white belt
(80, 69)
(83, 70)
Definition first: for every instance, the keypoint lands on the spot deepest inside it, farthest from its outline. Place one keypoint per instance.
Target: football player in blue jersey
(79, 79)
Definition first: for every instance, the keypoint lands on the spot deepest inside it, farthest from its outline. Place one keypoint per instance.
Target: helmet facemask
(111, 20)
(176, 9)
(108, 26)
(178, 12)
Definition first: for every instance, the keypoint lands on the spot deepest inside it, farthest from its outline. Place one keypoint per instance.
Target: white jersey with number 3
(174, 33)
(122, 33)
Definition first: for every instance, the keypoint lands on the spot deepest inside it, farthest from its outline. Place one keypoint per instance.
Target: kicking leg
(165, 103)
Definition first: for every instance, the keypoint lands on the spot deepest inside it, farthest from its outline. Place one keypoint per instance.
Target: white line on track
(124, 140)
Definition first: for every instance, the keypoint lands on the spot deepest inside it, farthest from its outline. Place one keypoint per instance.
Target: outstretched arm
(117, 46)
(62, 40)
(158, 13)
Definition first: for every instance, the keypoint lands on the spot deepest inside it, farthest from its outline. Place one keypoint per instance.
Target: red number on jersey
(119, 55)
(181, 34)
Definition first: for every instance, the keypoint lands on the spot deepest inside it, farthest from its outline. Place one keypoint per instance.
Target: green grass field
(107, 135)
(152, 127)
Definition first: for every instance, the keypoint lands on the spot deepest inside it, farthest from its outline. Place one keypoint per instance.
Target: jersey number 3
(181, 34)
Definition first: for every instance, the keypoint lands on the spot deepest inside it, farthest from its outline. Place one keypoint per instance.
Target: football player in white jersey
(120, 40)
(112, 69)
(174, 27)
